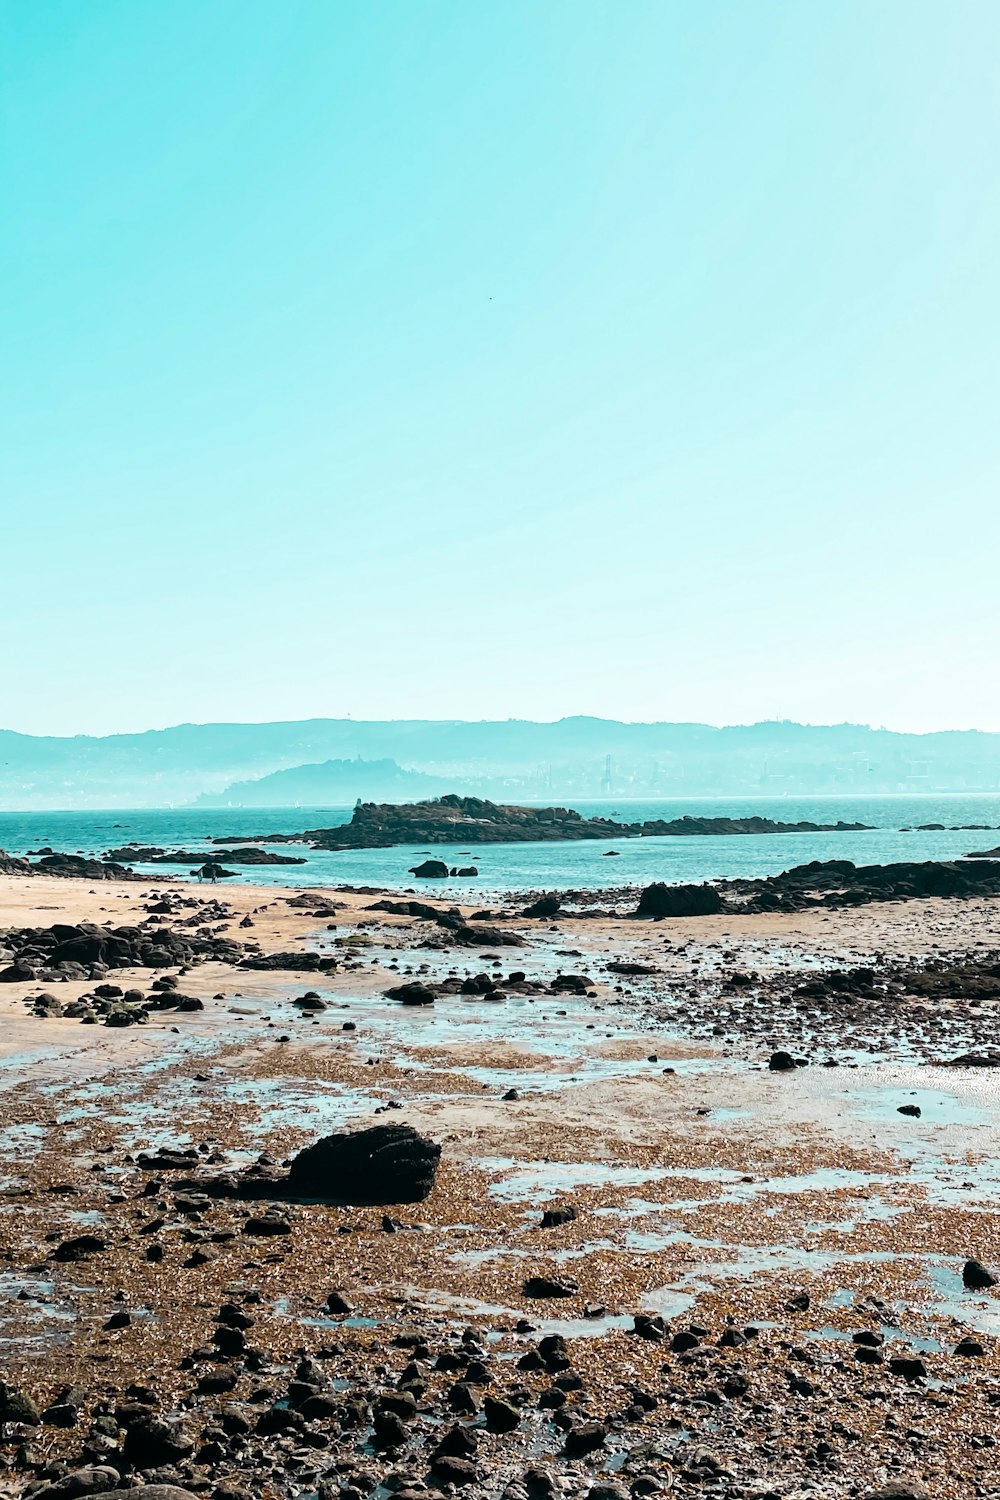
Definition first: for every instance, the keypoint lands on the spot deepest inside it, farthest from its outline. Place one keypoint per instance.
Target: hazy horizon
(333, 762)
(159, 728)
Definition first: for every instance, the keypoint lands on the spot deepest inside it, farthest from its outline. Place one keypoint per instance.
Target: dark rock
(976, 1277)
(234, 1317)
(458, 1442)
(682, 1341)
(390, 1430)
(659, 900)
(92, 1480)
(553, 1218)
(167, 1159)
(79, 1248)
(403, 1403)
(17, 1406)
(384, 1164)
(151, 1442)
(545, 907)
(17, 973)
(500, 1416)
(229, 1341)
(431, 869)
(586, 1438)
(414, 993)
(270, 1223)
(61, 1414)
(319, 1407)
(543, 1286)
(474, 935)
(454, 1470)
(650, 1326)
(462, 1399)
(781, 1062)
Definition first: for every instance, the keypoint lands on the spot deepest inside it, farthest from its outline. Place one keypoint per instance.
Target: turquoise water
(544, 866)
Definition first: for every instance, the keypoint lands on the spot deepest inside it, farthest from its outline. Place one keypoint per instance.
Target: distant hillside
(511, 760)
(331, 783)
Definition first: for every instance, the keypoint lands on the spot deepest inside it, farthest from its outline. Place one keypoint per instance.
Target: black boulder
(385, 1164)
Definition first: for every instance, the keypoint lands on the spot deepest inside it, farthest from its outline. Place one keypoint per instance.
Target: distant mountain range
(335, 761)
(331, 783)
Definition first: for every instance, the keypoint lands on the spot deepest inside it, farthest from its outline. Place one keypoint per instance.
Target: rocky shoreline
(828, 883)
(350, 1210)
(456, 820)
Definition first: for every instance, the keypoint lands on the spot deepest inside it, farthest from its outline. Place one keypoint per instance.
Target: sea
(542, 866)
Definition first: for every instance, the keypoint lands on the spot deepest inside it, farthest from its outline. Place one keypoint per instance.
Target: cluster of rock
(383, 1165)
(71, 866)
(464, 932)
(445, 1412)
(295, 962)
(490, 986)
(941, 1012)
(85, 951)
(114, 1006)
(827, 883)
(151, 854)
(839, 882)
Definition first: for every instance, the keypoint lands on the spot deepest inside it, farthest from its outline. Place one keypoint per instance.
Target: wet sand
(708, 1190)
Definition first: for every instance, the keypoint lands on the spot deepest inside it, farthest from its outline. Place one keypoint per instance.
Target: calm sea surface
(544, 866)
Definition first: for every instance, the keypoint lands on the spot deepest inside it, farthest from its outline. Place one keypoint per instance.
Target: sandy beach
(761, 1279)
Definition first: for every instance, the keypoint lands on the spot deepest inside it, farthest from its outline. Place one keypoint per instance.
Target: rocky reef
(831, 882)
(150, 854)
(473, 820)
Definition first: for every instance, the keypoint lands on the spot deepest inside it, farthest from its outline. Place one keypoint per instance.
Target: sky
(422, 358)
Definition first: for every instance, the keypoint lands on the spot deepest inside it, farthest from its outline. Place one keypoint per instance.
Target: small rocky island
(473, 820)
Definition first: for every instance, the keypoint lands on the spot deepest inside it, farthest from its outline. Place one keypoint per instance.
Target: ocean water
(543, 866)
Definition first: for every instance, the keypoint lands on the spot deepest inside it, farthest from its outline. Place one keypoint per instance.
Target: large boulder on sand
(545, 906)
(385, 1164)
(661, 900)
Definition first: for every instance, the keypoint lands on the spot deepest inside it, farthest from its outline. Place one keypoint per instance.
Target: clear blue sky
(492, 357)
